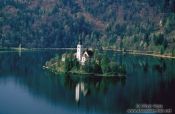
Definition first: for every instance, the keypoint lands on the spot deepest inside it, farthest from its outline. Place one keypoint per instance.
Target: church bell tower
(79, 50)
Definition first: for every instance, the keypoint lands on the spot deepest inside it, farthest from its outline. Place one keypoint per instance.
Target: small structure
(86, 55)
(63, 58)
(83, 55)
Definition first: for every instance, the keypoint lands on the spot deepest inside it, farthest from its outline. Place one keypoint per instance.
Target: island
(85, 61)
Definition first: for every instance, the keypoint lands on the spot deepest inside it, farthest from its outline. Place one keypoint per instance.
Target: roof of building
(89, 52)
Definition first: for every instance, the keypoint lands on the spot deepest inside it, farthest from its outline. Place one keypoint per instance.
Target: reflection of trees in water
(144, 77)
(146, 65)
(91, 91)
(133, 63)
(93, 84)
(27, 71)
(160, 67)
(12, 62)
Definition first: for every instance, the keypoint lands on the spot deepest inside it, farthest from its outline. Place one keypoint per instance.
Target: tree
(173, 51)
(88, 67)
(158, 39)
(67, 65)
(162, 50)
(105, 64)
(114, 68)
(97, 68)
(75, 63)
(122, 69)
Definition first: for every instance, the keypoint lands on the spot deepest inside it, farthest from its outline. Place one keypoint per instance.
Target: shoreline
(146, 53)
(133, 52)
(84, 73)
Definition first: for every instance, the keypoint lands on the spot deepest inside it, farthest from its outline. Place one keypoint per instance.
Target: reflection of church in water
(80, 89)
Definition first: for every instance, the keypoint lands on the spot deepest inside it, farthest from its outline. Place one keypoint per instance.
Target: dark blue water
(26, 88)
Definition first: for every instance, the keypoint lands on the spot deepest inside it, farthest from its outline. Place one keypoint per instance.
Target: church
(83, 55)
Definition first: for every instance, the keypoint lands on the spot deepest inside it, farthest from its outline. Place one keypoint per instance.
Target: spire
(80, 41)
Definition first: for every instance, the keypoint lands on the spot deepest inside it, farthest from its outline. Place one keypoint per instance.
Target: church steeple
(80, 41)
(79, 50)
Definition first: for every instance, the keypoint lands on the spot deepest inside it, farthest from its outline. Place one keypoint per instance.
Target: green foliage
(97, 65)
(97, 68)
(92, 67)
(67, 65)
(111, 67)
(122, 69)
(60, 23)
(88, 67)
(173, 52)
(114, 68)
(170, 23)
(105, 64)
(71, 63)
(75, 63)
(162, 50)
(160, 40)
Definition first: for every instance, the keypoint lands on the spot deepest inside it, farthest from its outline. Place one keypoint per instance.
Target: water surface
(26, 88)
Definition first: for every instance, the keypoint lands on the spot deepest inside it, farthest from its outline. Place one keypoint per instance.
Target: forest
(146, 25)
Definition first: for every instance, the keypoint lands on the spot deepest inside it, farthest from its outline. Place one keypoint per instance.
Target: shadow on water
(149, 80)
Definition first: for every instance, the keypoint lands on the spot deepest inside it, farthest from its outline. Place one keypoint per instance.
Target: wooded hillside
(118, 24)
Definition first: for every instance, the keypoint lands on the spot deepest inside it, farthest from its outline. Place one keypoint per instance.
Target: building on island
(82, 54)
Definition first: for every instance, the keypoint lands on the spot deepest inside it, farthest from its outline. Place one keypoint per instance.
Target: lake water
(26, 88)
